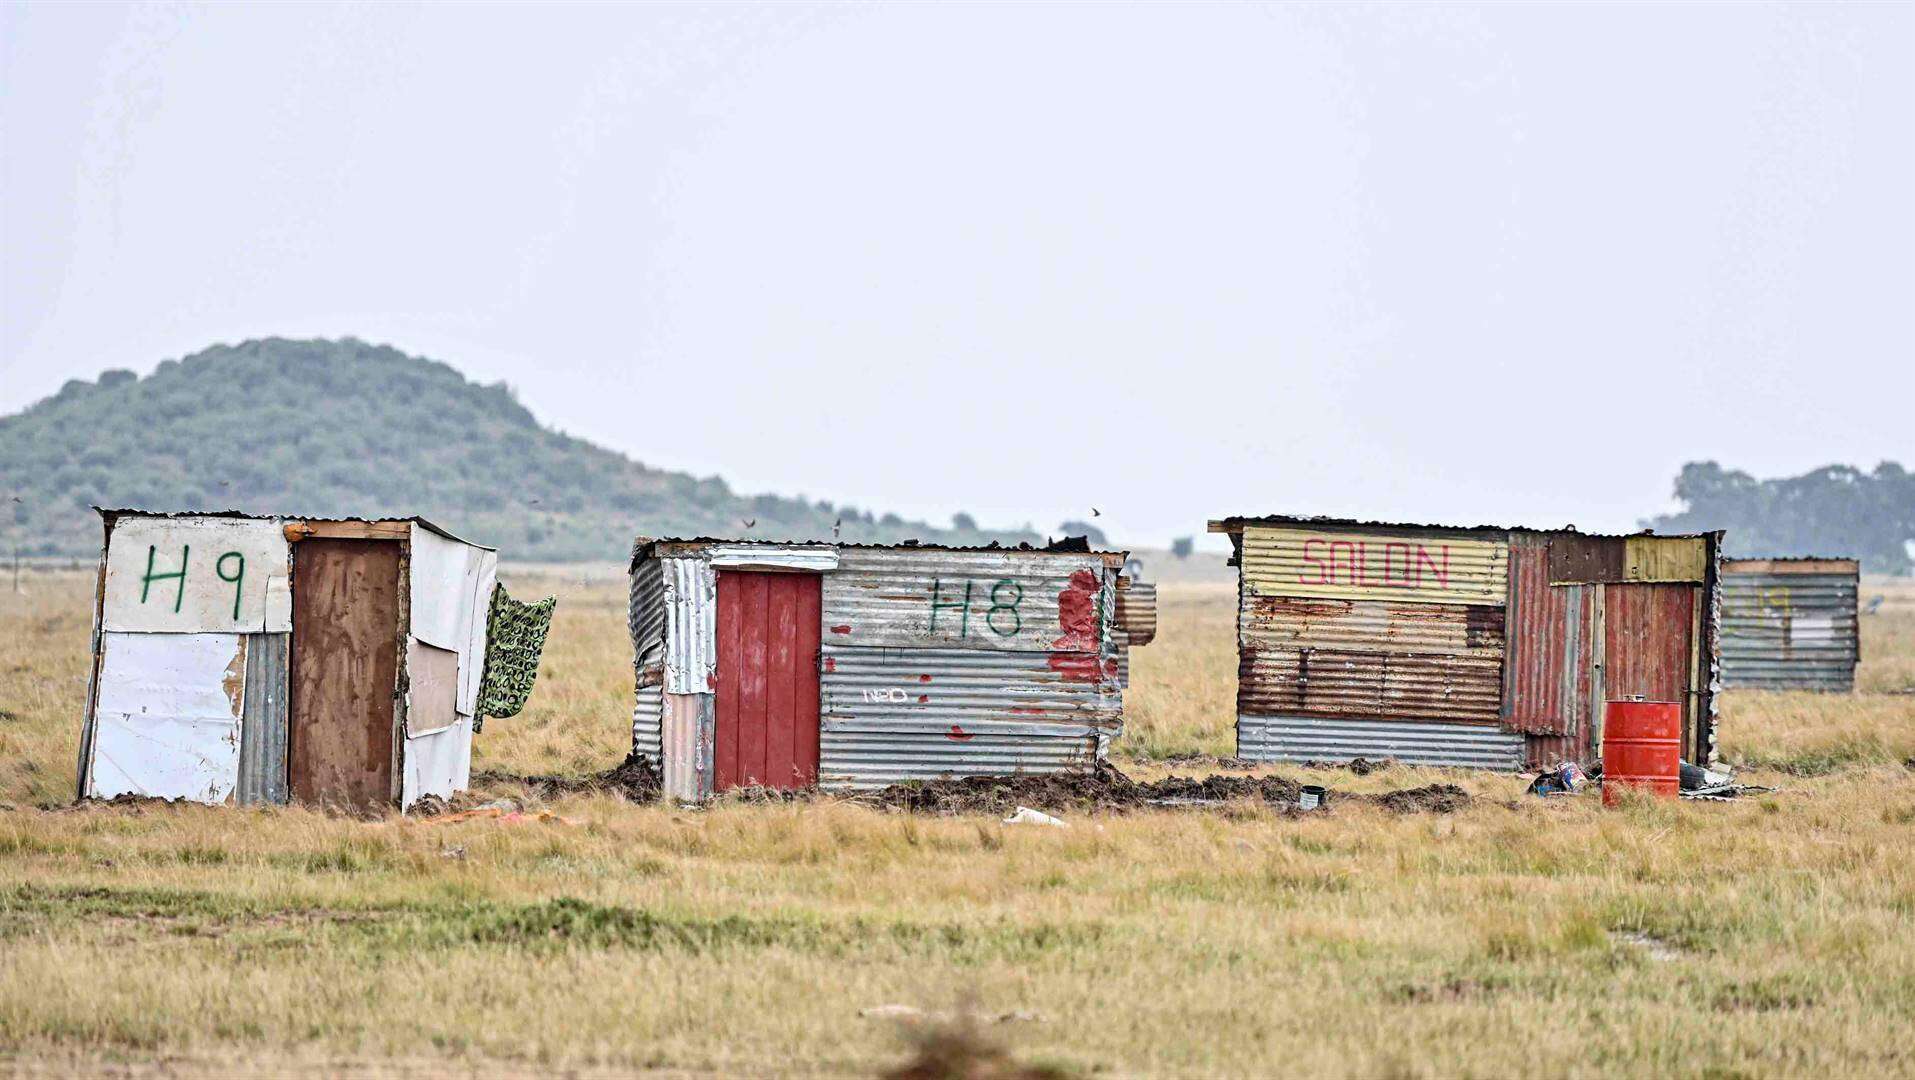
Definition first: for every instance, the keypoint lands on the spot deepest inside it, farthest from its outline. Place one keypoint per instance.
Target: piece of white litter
(1024, 815)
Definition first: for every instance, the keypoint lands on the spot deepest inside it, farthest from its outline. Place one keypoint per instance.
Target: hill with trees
(348, 429)
(1836, 510)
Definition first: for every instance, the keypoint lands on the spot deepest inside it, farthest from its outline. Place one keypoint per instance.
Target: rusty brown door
(1649, 646)
(345, 668)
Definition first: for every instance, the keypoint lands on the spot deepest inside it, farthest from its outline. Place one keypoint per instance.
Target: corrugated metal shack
(277, 659)
(847, 666)
(1485, 647)
(1789, 624)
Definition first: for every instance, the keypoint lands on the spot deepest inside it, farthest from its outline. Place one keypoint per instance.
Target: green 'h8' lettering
(1000, 607)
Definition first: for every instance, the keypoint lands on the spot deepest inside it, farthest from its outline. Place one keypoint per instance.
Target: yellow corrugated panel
(1422, 569)
(1665, 558)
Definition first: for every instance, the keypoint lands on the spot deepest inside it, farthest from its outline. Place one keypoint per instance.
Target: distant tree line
(1837, 510)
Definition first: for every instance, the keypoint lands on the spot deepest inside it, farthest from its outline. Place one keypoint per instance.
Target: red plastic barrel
(1641, 748)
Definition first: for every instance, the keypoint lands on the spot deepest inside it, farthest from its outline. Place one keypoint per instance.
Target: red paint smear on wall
(831, 663)
(846, 629)
(958, 734)
(924, 678)
(1077, 616)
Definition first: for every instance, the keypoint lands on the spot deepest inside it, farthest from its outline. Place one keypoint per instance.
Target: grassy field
(1766, 937)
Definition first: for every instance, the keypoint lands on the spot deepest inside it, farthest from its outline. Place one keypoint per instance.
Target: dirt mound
(1105, 788)
(636, 779)
(1431, 799)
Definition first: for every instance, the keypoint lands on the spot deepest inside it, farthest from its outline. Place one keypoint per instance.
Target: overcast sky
(1501, 264)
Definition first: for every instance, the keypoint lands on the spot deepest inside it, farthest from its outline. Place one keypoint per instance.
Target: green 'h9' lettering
(179, 575)
(238, 579)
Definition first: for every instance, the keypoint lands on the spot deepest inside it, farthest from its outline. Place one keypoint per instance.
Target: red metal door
(767, 708)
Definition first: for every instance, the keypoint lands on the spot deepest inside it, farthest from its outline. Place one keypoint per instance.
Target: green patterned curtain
(514, 638)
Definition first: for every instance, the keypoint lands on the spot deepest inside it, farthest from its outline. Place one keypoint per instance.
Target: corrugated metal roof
(1806, 564)
(120, 511)
(1237, 523)
(648, 546)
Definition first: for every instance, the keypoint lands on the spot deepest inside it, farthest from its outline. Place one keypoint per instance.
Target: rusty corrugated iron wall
(1790, 624)
(1351, 641)
(1463, 646)
(1137, 611)
(1551, 684)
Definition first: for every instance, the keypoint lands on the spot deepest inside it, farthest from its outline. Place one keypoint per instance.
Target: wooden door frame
(381, 532)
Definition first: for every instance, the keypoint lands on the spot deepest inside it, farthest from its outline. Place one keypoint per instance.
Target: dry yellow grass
(1760, 938)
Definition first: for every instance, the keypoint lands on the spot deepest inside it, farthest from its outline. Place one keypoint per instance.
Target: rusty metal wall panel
(263, 721)
(1373, 626)
(1647, 647)
(691, 616)
(1585, 560)
(895, 714)
(1336, 741)
(986, 600)
(648, 719)
(1137, 612)
(1370, 658)
(1335, 682)
(1665, 559)
(1790, 630)
(1402, 566)
(1549, 681)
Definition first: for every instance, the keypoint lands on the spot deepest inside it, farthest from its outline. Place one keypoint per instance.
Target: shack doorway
(1649, 649)
(767, 680)
(344, 671)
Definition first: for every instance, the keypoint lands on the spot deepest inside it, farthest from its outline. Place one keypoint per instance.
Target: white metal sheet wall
(1016, 601)
(691, 614)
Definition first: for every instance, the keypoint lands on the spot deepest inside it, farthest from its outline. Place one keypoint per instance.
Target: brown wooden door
(767, 707)
(345, 669)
